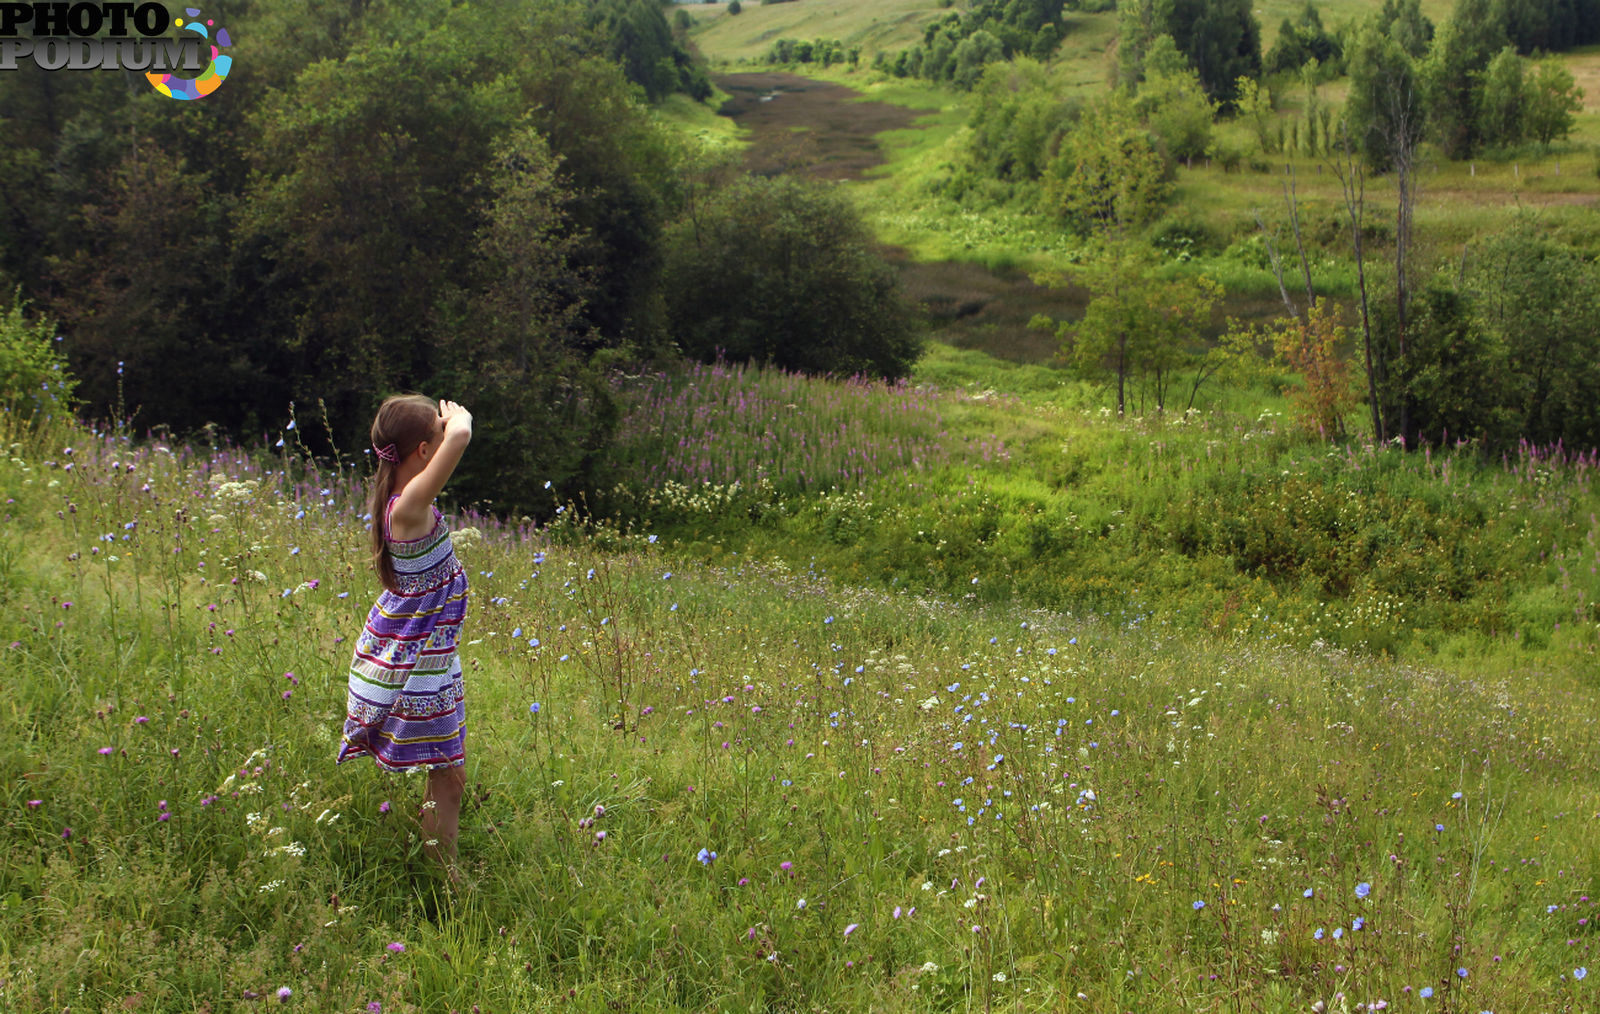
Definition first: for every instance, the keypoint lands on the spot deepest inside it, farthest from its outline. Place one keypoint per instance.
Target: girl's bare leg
(441, 813)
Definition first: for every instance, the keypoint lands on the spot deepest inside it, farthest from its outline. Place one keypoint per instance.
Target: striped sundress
(405, 705)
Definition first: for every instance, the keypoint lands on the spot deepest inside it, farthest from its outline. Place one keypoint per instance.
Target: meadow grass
(700, 122)
(1226, 516)
(913, 802)
(882, 25)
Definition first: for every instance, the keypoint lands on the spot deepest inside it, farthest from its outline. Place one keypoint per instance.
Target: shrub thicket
(782, 272)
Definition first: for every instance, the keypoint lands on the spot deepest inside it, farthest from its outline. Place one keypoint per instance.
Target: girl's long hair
(404, 420)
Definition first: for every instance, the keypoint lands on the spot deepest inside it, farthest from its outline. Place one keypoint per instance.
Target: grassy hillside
(889, 25)
(908, 205)
(880, 25)
(739, 785)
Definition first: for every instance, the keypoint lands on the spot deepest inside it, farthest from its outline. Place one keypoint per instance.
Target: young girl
(405, 705)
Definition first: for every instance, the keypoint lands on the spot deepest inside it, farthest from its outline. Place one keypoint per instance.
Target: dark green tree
(1221, 38)
(1385, 111)
(974, 53)
(1447, 383)
(512, 338)
(1503, 110)
(1404, 22)
(782, 272)
(1540, 300)
(1301, 40)
(1453, 74)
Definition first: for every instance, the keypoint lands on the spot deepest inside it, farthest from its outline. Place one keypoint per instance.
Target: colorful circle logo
(211, 78)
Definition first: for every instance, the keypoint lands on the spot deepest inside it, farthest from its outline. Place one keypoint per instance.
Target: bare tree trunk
(1353, 186)
(1291, 197)
(1271, 243)
(1403, 148)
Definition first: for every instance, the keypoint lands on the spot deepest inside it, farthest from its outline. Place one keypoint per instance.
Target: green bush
(782, 272)
(34, 382)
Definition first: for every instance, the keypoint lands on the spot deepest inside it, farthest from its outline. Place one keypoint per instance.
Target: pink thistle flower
(397, 948)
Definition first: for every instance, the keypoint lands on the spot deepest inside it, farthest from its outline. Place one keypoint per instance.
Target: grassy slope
(914, 803)
(874, 26)
(1458, 201)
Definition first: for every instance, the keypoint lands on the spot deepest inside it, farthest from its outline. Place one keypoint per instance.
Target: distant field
(896, 24)
(879, 25)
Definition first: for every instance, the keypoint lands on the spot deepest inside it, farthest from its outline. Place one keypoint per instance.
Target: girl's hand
(454, 414)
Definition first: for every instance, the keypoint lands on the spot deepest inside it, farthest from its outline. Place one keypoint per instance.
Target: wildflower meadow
(736, 784)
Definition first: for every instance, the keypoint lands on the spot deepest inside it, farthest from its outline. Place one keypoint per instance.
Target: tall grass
(1228, 519)
(720, 424)
(913, 803)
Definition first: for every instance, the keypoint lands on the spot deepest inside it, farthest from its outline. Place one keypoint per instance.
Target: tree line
(1496, 346)
(393, 198)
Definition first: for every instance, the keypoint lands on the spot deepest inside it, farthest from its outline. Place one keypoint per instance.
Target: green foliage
(1177, 112)
(971, 55)
(1162, 59)
(1551, 101)
(1453, 75)
(734, 7)
(1137, 28)
(782, 272)
(1385, 110)
(1549, 25)
(1254, 106)
(1452, 370)
(318, 240)
(1018, 119)
(1404, 22)
(1539, 303)
(1503, 112)
(1301, 40)
(35, 384)
(826, 52)
(1108, 175)
(639, 37)
(957, 47)
(517, 337)
(1137, 325)
(1221, 38)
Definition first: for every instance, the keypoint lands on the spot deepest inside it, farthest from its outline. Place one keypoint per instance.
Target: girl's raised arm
(455, 424)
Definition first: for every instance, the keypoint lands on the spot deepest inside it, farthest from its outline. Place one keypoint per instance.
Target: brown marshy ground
(822, 129)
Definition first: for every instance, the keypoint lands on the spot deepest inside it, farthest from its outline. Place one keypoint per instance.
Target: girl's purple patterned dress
(405, 705)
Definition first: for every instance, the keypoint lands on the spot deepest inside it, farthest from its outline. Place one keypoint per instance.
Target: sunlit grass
(977, 805)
